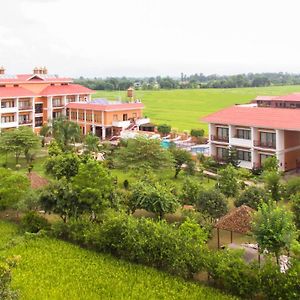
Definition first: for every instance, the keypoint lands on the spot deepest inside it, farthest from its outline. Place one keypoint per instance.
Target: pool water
(165, 144)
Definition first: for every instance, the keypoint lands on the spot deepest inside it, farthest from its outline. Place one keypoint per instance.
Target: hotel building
(268, 126)
(36, 99)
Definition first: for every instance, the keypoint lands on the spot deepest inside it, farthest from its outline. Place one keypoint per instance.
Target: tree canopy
(141, 154)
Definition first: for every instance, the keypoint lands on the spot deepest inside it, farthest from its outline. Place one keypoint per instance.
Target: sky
(100, 38)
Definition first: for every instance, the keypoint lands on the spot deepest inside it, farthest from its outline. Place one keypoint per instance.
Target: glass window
(222, 133)
(222, 152)
(243, 134)
(244, 155)
(268, 139)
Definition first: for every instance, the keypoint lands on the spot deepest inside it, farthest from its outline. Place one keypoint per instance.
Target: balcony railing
(22, 122)
(219, 138)
(269, 145)
(25, 107)
(60, 104)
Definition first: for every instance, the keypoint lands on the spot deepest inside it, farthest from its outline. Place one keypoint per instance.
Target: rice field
(53, 269)
(183, 109)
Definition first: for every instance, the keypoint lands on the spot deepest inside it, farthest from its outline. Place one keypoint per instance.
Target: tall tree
(212, 202)
(228, 181)
(94, 186)
(154, 197)
(273, 228)
(296, 209)
(181, 157)
(18, 141)
(13, 187)
(65, 132)
(143, 153)
(91, 143)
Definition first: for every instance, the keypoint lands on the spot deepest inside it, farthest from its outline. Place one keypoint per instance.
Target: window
(38, 108)
(57, 102)
(7, 119)
(38, 121)
(81, 115)
(125, 117)
(89, 117)
(268, 139)
(97, 118)
(24, 119)
(56, 114)
(134, 115)
(8, 104)
(222, 133)
(73, 115)
(222, 152)
(25, 104)
(243, 155)
(115, 117)
(243, 134)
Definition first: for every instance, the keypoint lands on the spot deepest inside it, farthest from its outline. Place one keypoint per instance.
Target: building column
(33, 114)
(103, 133)
(230, 133)
(50, 108)
(93, 123)
(77, 115)
(17, 113)
(280, 148)
(85, 120)
(77, 98)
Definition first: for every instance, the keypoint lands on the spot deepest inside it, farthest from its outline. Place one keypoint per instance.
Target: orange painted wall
(291, 158)
(109, 116)
(291, 138)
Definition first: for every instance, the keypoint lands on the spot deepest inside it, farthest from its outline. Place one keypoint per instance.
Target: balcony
(59, 104)
(122, 124)
(8, 110)
(268, 145)
(236, 141)
(216, 138)
(25, 107)
(9, 124)
(25, 122)
(142, 121)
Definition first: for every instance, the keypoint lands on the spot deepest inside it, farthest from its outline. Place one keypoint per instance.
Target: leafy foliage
(272, 184)
(191, 190)
(197, 132)
(62, 165)
(18, 141)
(91, 143)
(228, 182)
(13, 187)
(154, 197)
(253, 196)
(292, 187)
(273, 228)
(212, 202)
(181, 157)
(232, 158)
(271, 164)
(142, 154)
(296, 209)
(33, 222)
(6, 293)
(164, 129)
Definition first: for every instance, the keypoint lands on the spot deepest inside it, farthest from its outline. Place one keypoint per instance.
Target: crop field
(53, 269)
(183, 109)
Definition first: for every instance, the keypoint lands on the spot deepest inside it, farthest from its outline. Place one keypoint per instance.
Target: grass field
(183, 109)
(53, 269)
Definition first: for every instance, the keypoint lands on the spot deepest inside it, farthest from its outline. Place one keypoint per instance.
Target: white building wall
(280, 148)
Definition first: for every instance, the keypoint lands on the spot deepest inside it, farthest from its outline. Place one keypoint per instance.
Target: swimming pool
(165, 144)
(200, 149)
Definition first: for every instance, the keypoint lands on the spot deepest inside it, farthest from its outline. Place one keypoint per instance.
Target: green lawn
(183, 109)
(53, 269)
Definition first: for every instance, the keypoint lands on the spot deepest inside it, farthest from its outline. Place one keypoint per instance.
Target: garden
(143, 205)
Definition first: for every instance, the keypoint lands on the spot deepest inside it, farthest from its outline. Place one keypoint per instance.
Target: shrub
(197, 132)
(292, 187)
(252, 196)
(164, 129)
(232, 273)
(5, 279)
(278, 285)
(32, 222)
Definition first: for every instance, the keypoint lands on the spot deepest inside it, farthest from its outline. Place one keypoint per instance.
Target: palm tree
(65, 132)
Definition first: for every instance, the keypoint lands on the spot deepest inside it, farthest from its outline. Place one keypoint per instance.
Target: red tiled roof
(23, 78)
(263, 117)
(105, 107)
(290, 97)
(11, 92)
(65, 90)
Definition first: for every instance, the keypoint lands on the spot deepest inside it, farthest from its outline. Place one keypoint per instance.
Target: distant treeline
(192, 81)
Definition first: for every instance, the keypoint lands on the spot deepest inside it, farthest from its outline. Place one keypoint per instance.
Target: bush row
(181, 250)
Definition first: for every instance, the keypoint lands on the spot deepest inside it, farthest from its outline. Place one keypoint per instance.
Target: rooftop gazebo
(237, 220)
